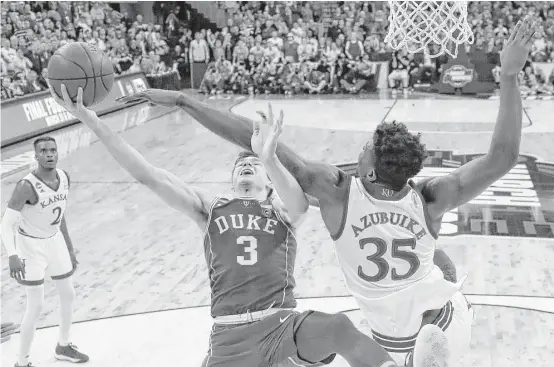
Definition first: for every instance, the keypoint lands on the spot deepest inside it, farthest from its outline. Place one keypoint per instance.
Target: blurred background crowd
(254, 47)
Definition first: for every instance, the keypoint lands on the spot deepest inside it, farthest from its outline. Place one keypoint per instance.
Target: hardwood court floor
(137, 255)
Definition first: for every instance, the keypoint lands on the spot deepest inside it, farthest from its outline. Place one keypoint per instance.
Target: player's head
(393, 156)
(46, 152)
(249, 173)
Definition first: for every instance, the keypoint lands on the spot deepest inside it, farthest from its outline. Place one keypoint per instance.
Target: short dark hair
(42, 139)
(399, 154)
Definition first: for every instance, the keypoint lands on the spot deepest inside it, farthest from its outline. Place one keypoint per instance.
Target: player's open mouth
(246, 171)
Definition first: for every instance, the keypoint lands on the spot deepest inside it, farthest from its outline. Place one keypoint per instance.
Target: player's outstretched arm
(22, 194)
(316, 179)
(470, 180)
(264, 143)
(190, 200)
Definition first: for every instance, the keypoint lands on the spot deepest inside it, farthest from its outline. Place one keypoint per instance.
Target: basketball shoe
(431, 348)
(70, 353)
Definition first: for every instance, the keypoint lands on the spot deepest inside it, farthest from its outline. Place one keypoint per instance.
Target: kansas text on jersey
(250, 251)
(42, 220)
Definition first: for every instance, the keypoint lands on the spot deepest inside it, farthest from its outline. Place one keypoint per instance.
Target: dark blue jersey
(250, 251)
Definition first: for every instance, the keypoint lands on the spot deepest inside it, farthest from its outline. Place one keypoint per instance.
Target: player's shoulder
(62, 173)
(23, 193)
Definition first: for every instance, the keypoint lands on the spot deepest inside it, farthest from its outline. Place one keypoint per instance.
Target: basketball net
(416, 25)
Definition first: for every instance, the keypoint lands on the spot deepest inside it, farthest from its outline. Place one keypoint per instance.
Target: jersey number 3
(250, 245)
(383, 266)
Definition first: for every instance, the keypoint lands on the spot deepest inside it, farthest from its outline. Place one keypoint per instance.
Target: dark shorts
(267, 342)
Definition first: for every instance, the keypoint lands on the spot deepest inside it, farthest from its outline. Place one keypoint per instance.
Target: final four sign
(520, 204)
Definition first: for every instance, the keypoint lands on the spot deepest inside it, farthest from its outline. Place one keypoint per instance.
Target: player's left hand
(8, 328)
(77, 109)
(516, 50)
(265, 136)
(74, 261)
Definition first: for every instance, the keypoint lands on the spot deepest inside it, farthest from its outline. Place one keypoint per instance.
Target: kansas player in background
(250, 251)
(384, 225)
(34, 233)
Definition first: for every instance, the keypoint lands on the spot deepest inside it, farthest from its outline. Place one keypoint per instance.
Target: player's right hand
(77, 109)
(17, 268)
(167, 98)
(265, 137)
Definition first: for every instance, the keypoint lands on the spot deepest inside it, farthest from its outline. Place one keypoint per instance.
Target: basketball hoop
(414, 25)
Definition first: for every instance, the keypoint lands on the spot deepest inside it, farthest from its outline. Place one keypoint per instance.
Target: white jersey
(386, 249)
(43, 219)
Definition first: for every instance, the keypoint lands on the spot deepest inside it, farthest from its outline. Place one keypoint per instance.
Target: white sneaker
(431, 348)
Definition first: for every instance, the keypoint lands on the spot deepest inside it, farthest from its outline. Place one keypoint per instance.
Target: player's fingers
(131, 98)
(255, 128)
(55, 95)
(515, 31)
(263, 116)
(530, 32)
(270, 114)
(65, 96)
(281, 119)
(80, 97)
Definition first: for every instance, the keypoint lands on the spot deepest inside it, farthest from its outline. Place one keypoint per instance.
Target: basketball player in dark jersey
(388, 162)
(250, 251)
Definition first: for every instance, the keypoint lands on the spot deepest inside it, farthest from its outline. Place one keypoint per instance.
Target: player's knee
(341, 329)
(66, 290)
(35, 300)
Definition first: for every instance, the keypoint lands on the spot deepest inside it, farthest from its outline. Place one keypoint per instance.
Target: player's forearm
(507, 132)
(127, 156)
(9, 222)
(287, 187)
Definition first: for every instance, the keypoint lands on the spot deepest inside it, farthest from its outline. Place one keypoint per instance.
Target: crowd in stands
(266, 47)
(33, 31)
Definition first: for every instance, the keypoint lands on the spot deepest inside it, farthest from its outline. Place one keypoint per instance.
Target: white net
(416, 25)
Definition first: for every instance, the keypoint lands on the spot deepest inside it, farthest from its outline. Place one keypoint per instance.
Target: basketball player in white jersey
(34, 233)
(250, 251)
(384, 225)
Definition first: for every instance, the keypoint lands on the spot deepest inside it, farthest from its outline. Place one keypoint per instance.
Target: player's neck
(381, 190)
(45, 173)
(247, 191)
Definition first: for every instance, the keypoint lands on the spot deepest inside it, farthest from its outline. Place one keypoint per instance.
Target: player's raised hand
(77, 109)
(17, 267)
(265, 136)
(516, 50)
(167, 98)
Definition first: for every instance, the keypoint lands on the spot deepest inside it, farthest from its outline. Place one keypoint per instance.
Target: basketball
(80, 65)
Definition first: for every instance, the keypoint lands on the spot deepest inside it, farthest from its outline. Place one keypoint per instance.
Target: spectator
(398, 67)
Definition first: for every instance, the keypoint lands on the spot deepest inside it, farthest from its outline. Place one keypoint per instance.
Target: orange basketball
(81, 65)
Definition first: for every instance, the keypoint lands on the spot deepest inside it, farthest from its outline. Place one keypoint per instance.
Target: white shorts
(43, 256)
(455, 319)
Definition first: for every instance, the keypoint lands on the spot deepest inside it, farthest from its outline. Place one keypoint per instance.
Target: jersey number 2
(58, 212)
(383, 266)
(250, 244)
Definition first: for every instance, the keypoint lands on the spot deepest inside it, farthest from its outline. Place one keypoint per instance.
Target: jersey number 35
(383, 266)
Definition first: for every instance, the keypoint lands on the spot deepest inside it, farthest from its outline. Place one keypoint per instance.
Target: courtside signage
(38, 113)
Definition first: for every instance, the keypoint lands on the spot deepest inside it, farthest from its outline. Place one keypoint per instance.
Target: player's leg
(61, 270)
(319, 335)
(35, 301)
(32, 253)
(459, 330)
